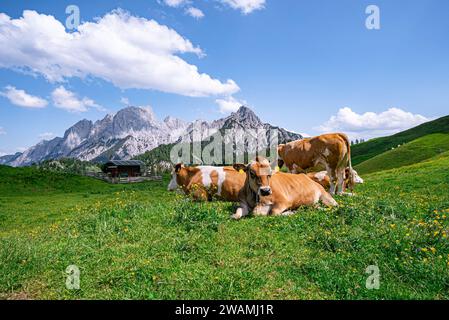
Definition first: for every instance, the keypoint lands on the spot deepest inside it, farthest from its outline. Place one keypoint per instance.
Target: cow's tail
(349, 162)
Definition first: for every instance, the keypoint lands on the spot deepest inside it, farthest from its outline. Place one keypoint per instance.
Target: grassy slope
(374, 147)
(28, 180)
(413, 152)
(30, 197)
(146, 243)
(161, 153)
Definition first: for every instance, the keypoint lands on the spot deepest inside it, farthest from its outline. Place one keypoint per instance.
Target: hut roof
(125, 163)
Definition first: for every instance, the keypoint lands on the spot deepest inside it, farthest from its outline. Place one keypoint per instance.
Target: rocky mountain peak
(133, 119)
(244, 110)
(81, 129)
(243, 117)
(141, 113)
(133, 131)
(174, 123)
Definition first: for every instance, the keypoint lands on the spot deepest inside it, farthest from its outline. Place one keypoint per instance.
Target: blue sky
(308, 66)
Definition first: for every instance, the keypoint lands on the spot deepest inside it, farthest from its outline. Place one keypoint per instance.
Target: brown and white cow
(323, 178)
(266, 192)
(206, 182)
(332, 151)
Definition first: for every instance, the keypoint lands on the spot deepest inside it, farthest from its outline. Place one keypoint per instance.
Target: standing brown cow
(332, 151)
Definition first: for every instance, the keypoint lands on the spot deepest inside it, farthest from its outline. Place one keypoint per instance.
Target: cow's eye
(253, 175)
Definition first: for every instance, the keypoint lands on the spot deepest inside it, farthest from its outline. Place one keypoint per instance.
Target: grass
(413, 152)
(30, 197)
(367, 150)
(140, 242)
(28, 180)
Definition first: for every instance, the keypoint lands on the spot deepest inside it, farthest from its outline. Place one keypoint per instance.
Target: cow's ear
(281, 148)
(280, 163)
(240, 166)
(178, 167)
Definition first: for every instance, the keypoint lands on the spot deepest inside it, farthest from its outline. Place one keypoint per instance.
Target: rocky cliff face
(131, 132)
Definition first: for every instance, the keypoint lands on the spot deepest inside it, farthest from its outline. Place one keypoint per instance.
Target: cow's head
(176, 174)
(352, 180)
(281, 155)
(356, 177)
(258, 174)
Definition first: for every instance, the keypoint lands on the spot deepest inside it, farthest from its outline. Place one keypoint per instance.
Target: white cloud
(128, 51)
(46, 136)
(245, 6)
(124, 101)
(371, 124)
(175, 3)
(2, 131)
(23, 99)
(229, 104)
(195, 13)
(68, 100)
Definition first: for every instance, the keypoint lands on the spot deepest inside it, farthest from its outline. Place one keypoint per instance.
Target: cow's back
(295, 189)
(222, 182)
(231, 185)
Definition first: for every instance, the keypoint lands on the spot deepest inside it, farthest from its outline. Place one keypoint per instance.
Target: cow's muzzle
(265, 191)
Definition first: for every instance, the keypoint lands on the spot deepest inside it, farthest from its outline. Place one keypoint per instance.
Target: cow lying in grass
(323, 178)
(206, 182)
(266, 192)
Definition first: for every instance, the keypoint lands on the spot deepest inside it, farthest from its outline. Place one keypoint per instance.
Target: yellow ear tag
(241, 171)
(277, 169)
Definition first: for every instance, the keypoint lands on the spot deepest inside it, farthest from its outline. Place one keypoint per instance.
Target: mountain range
(133, 131)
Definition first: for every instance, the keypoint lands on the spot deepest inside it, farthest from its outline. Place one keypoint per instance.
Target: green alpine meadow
(139, 241)
(224, 159)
